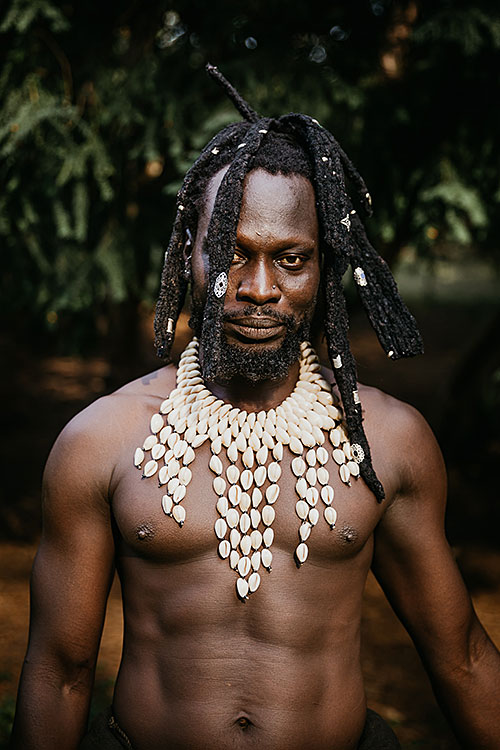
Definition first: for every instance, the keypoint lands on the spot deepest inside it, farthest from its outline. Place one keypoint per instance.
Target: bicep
(413, 561)
(73, 568)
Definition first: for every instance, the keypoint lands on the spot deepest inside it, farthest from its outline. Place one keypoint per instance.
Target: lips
(255, 328)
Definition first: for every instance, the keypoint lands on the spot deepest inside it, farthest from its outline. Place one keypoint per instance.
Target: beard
(257, 362)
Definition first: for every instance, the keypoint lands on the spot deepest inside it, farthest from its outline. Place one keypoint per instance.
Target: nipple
(144, 531)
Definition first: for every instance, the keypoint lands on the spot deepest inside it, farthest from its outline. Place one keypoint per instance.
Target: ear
(187, 252)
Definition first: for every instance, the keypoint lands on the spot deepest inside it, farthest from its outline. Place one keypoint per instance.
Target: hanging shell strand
(246, 482)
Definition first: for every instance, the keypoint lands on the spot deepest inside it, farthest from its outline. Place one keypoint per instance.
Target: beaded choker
(246, 480)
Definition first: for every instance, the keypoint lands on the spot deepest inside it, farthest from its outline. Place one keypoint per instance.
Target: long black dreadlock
(312, 151)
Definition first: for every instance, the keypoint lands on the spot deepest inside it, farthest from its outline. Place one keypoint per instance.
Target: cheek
(301, 293)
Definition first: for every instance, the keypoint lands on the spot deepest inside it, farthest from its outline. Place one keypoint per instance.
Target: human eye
(238, 257)
(293, 261)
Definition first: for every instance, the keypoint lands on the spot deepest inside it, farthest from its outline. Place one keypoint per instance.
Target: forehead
(278, 201)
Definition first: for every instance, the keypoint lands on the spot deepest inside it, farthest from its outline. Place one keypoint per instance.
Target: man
(264, 497)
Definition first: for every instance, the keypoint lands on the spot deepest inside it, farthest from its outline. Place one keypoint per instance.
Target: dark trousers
(105, 734)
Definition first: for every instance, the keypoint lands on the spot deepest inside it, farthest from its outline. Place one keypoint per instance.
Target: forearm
(469, 693)
(52, 707)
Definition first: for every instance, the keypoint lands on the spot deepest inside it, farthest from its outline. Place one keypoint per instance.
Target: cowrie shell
(138, 457)
(219, 485)
(335, 437)
(233, 559)
(322, 475)
(327, 494)
(298, 466)
(259, 475)
(224, 549)
(274, 472)
(244, 566)
(185, 475)
(272, 493)
(215, 464)
(246, 479)
(233, 474)
(232, 518)
(254, 582)
(220, 528)
(245, 544)
(311, 457)
(189, 456)
(172, 439)
(232, 453)
(163, 475)
(256, 539)
(166, 504)
(179, 514)
(262, 455)
(156, 423)
(149, 442)
(179, 494)
(345, 474)
(353, 468)
(304, 531)
(268, 537)
(313, 516)
(248, 458)
(278, 452)
(312, 495)
(234, 538)
(255, 560)
(150, 468)
(330, 516)
(256, 497)
(234, 494)
(266, 557)
(339, 456)
(241, 443)
(222, 506)
(295, 445)
(255, 517)
(245, 502)
(157, 451)
(302, 509)
(301, 487)
(311, 476)
(245, 522)
(302, 552)
(199, 440)
(268, 515)
(180, 448)
(242, 588)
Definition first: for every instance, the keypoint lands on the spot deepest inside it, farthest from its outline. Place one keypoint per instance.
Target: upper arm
(74, 565)
(412, 559)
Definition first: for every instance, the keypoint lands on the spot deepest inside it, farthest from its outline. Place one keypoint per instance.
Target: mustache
(251, 311)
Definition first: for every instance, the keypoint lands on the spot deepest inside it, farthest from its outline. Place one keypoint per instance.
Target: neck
(254, 397)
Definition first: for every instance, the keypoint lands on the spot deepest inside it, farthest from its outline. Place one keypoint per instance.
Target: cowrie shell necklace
(303, 430)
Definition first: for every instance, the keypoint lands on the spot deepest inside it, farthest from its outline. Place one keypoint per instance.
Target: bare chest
(218, 521)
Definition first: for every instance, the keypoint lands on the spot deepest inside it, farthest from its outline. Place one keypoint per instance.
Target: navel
(243, 723)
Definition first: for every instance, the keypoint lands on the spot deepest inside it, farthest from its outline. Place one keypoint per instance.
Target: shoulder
(403, 443)
(89, 445)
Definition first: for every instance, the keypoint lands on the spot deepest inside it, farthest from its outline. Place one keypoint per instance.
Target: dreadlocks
(293, 143)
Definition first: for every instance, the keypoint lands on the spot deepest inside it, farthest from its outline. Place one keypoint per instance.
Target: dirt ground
(48, 392)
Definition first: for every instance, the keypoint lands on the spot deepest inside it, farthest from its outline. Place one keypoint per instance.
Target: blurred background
(105, 106)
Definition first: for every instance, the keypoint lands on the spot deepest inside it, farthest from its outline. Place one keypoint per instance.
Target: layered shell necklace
(303, 429)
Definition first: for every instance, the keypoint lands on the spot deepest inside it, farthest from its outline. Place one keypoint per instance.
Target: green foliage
(104, 107)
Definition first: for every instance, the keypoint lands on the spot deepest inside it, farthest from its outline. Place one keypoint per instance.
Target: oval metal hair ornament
(220, 285)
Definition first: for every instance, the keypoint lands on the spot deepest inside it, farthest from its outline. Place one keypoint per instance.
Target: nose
(257, 284)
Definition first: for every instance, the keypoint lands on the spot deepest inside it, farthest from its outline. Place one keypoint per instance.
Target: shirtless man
(217, 653)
